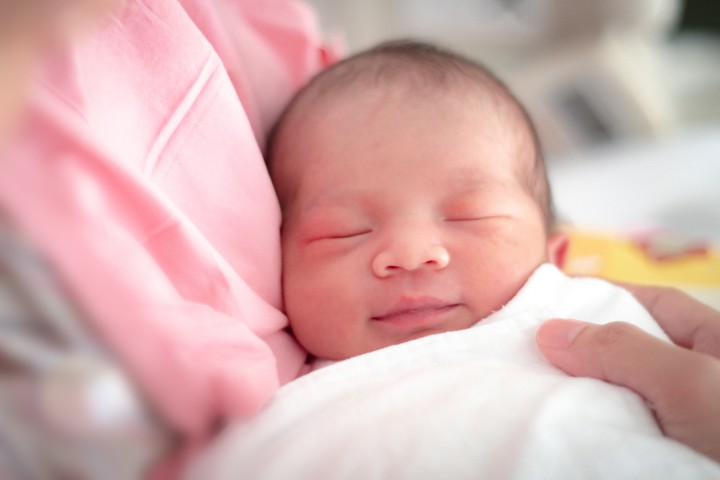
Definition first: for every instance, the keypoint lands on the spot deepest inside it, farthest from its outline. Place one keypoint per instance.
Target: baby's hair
(422, 65)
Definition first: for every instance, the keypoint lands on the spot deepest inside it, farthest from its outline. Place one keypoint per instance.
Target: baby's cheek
(304, 311)
(498, 271)
(308, 293)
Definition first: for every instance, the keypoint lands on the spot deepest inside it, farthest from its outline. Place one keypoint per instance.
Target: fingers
(682, 386)
(605, 352)
(688, 322)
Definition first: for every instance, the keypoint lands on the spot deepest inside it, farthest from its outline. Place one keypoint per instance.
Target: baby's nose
(410, 255)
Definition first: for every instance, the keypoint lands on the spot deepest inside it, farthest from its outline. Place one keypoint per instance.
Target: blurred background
(590, 71)
(626, 97)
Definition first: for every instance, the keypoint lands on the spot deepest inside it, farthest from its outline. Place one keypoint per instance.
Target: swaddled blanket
(477, 403)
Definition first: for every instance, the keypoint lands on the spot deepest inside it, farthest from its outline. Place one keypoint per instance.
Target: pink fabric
(139, 174)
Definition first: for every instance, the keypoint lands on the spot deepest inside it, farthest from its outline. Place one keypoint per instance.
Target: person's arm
(680, 382)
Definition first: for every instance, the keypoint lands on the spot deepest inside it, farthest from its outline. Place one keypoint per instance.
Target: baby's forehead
(315, 121)
(311, 126)
(459, 102)
(342, 94)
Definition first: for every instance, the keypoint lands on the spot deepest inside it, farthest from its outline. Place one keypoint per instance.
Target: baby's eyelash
(465, 219)
(341, 236)
(475, 218)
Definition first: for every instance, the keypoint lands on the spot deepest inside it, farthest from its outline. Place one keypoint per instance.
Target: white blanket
(475, 404)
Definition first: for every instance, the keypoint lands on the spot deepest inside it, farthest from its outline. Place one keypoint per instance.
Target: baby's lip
(410, 306)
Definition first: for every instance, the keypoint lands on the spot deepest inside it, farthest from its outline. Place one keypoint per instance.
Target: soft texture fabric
(138, 173)
(477, 403)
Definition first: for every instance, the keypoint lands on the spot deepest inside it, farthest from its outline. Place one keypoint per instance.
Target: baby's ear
(557, 247)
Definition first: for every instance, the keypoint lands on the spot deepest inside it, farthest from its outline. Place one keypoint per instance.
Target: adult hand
(681, 382)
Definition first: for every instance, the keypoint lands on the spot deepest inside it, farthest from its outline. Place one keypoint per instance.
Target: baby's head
(414, 196)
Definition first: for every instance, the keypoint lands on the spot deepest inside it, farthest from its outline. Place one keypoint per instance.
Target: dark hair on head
(422, 65)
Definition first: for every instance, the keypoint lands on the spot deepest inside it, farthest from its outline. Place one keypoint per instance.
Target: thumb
(681, 385)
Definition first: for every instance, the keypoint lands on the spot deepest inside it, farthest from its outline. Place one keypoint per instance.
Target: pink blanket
(138, 173)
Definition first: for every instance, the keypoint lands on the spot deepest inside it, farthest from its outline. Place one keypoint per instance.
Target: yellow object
(657, 258)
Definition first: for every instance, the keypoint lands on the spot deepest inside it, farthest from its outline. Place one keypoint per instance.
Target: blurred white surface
(671, 183)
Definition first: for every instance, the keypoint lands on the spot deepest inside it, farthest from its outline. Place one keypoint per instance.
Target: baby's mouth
(415, 309)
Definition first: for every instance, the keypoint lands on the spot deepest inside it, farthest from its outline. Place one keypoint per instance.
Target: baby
(414, 197)
(415, 202)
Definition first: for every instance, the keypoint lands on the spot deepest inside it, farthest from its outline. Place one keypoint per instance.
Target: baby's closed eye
(472, 207)
(333, 226)
(341, 234)
(471, 212)
(474, 217)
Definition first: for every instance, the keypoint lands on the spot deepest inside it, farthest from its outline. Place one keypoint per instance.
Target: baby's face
(407, 220)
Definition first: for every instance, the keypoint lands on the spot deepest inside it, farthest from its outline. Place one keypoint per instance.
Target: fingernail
(559, 334)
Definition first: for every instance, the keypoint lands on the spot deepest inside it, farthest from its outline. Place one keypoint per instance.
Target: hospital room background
(626, 97)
